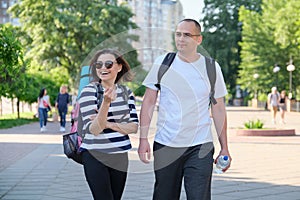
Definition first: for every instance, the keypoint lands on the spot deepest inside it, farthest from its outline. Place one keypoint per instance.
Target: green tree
(12, 65)
(222, 33)
(62, 33)
(37, 81)
(16, 81)
(265, 44)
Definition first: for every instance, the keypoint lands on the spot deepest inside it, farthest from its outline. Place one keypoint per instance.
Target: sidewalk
(33, 166)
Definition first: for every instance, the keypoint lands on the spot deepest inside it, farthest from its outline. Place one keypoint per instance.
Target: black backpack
(210, 69)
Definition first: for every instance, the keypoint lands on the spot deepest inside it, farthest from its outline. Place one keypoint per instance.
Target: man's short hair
(197, 24)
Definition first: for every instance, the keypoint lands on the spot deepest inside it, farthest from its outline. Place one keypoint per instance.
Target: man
(183, 145)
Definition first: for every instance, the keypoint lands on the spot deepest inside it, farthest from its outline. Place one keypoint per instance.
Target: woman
(106, 127)
(43, 108)
(61, 104)
(282, 105)
(273, 102)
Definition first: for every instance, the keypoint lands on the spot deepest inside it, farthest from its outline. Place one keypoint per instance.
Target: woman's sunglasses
(108, 64)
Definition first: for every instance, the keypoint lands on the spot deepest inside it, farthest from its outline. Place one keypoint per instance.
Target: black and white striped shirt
(121, 110)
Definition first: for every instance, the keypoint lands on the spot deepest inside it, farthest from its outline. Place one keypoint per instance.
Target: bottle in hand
(222, 163)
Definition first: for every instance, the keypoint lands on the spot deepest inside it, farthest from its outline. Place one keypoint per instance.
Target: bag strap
(211, 73)
(99, 94)
(124, 92)
(165, 65)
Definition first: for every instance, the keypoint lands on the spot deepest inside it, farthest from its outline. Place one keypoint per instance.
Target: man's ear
(199, 40)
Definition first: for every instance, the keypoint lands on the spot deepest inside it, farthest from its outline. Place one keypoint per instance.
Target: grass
(11, 120)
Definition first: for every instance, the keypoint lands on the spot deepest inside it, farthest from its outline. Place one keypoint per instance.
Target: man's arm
(146, 113)
(220, 121)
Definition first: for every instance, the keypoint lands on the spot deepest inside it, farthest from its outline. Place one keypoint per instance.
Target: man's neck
(189, 57)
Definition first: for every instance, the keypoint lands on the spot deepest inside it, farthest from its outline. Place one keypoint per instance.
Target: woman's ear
(120, 67)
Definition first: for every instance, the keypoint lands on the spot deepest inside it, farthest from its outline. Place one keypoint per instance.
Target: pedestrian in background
(282, 105)
(273, 102)
(62, 102)
(183, 145)
(106, 125)
(44, 106)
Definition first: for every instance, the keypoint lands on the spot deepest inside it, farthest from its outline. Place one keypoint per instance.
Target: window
(4, 4)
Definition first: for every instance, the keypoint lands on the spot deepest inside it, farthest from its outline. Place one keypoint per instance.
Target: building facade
(157, 20)
(4, 16)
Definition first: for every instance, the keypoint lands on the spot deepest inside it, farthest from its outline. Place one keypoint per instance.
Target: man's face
(187, 38)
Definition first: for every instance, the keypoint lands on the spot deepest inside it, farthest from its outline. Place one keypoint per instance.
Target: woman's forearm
(124, 128)
(99, 123)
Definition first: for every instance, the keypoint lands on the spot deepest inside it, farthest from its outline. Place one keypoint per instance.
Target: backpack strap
(211, 72)
(125, 94)
(99, 94)
(165, 65)
(210, 69)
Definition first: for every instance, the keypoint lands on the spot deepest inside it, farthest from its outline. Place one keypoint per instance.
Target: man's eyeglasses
(185, 35)
(108, 64)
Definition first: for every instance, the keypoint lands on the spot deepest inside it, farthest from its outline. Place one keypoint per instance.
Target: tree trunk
(18, 108)
(12, 106)
(1, 107)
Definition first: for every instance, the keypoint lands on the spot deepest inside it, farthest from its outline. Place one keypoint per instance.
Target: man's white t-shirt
(184, 116)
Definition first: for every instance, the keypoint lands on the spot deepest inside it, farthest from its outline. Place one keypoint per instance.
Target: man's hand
(224, 153)
(144, 150)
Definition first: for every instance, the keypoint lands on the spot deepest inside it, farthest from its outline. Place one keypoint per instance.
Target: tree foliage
(62, 33)
(16, 81)
(222, 33)
(12, 65)
(269, 38)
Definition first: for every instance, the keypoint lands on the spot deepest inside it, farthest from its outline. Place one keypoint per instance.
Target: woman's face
(45, 92)
(107, 68)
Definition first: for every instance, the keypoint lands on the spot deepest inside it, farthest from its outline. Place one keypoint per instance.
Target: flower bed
(265, 132)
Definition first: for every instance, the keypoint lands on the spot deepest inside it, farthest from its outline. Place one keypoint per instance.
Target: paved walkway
(33, 166)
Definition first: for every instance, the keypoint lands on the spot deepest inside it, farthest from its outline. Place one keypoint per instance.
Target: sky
(192, 8)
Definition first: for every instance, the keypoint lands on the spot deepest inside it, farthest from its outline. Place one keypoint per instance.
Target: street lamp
(275, 70)
(290, 68)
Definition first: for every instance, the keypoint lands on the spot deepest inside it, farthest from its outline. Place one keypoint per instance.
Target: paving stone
(34, 166)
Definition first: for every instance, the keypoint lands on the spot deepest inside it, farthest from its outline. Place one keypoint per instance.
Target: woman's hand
(109, 94)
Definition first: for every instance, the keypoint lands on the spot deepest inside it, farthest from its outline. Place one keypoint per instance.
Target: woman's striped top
(121, 110)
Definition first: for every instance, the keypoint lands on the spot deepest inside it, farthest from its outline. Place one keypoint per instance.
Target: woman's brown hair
(124, 75)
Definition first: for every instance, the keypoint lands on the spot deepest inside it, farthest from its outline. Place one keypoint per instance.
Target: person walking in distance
(273, 102)
(183, 144)
(107, 122)
(62, 102)
(43, 103)
(282, 105)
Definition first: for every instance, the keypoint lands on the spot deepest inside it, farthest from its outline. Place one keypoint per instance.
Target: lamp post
(255, 100)
(255, 76)
(276, 69)
(290, 68)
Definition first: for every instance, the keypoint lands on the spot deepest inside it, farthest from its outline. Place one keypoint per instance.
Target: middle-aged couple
(183, 145)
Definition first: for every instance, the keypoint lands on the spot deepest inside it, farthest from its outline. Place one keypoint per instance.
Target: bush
(251, 124)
